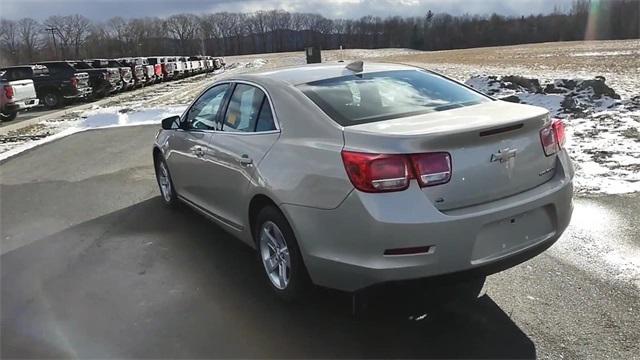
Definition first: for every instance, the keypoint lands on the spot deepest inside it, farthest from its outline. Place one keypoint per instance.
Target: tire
(52, 99)
(8, 116)
(165, 183)
(289, 279)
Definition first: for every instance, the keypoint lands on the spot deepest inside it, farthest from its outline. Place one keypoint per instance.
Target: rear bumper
(344, 248)
(22, 105)
(79, 93)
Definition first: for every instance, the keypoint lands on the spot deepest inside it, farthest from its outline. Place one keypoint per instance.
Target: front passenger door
(189, 153)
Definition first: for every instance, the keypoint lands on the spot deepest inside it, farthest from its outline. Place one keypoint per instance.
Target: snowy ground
(604, 135)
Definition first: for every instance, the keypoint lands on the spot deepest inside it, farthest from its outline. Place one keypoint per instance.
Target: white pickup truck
(16, 95)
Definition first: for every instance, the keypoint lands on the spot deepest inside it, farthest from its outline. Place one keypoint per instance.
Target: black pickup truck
(103, 81)
(55, 82)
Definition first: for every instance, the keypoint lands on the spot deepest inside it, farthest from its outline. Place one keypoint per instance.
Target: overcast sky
(104, 9)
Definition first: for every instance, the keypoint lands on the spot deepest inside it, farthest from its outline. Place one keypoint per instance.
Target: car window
(265, 119)
(244, 109)
(53, 69)
(203, 113)
(370, 97)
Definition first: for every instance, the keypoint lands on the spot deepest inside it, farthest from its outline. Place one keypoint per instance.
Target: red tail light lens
(558, 129)
(8, 92)
(74, 82)
(553, 137)
(386, 172)
(376, 172)
(432, 168)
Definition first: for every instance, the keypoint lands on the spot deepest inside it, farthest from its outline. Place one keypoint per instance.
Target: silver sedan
(348, 176)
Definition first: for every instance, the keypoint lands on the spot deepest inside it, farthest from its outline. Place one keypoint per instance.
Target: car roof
(303, 74)
(24, 66)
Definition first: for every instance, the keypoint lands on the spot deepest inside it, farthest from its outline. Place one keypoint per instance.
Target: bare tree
(116, 28)
(78, 26)
(10, 39)
(183, 27)
(29, 32)
(276, 30)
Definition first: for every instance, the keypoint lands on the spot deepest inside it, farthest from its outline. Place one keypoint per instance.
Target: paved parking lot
(93, 265)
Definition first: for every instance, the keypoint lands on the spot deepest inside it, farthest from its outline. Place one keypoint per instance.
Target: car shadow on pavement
(147, 281)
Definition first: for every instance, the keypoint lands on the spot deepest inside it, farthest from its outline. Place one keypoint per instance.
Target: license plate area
(500, 238)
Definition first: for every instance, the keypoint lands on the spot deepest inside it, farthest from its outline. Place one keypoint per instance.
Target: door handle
(245, 160)
(198, 151)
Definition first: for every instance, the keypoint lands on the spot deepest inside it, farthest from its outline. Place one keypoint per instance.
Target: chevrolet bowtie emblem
(503, 155)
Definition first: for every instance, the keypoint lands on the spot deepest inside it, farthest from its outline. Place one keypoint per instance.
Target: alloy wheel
(165, 181)
(275, 255)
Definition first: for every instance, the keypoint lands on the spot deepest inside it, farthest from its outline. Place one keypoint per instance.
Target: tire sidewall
(8, 116)
(173, 199)
(299, 282)
(56, 96)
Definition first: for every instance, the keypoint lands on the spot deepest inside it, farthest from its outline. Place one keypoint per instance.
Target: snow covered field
(604, 132)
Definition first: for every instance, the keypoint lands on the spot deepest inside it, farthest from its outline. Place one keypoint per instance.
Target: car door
(189, 153)
(249, 129)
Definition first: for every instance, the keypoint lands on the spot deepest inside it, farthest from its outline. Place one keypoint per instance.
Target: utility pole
(52, 30)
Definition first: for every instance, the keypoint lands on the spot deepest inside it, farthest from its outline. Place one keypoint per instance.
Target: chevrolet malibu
(349, 176)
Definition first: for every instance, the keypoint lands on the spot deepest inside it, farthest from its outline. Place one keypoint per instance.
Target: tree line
(225, 33)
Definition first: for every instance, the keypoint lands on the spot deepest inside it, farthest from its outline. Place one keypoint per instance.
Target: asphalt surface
(27, 115)
(93, 266)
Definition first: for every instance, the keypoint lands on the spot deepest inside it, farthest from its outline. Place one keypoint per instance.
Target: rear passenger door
(249, 129)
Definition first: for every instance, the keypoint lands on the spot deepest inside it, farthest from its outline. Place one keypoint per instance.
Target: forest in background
(224, 33)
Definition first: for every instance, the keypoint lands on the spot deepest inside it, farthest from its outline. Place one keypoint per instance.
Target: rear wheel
(52, 99)
(280, 255)
(8, 115)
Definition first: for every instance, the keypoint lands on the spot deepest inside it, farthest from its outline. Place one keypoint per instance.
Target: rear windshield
(370, 97)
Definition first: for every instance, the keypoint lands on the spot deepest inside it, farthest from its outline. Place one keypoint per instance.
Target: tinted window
(53, 68)
(17, 74)
(265, 119)
(244, 108)
(203, 113)
(363, 98)
(82, 66)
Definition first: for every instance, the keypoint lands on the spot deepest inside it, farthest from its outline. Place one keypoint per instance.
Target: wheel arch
(157, 153)
(257, 203)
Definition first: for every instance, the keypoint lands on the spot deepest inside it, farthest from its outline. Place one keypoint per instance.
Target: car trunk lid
(495, 149)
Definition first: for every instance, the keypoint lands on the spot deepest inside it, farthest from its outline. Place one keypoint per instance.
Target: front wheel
(280, 255)
(169, 196)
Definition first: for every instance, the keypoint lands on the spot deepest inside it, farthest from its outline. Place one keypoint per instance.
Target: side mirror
(171, 123)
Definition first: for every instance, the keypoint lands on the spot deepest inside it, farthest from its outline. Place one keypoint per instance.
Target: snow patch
(603, 130)
(96, 118)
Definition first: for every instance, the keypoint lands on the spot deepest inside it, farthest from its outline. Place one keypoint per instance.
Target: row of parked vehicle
(56, 83)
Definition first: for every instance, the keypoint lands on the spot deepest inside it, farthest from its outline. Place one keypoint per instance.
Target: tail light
(377, 172)
(74, 82)
(387, 172)
(432, 168)
(553, 137)
(8, 92)
(558, 129)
